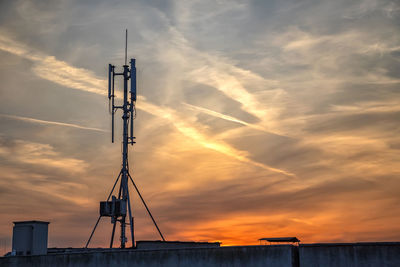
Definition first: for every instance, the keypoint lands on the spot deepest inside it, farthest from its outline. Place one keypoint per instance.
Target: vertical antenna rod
(126, 44)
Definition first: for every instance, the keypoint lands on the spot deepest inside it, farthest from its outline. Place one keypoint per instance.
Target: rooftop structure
(280, 240)
(29, 238)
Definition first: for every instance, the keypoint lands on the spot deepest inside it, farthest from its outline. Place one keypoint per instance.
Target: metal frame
(129, 114)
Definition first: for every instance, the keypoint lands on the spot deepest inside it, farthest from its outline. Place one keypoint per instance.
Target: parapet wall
(350, 255)
(305, 255)
(272, 256)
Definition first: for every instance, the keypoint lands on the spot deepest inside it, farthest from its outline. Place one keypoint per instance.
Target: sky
(254, 118)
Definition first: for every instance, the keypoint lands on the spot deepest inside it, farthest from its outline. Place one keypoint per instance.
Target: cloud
(316, 206)
(43, 155)
(206, 141)
(235, 98)
(224, 117)
(60, 72)
(32, 120)
(49, 68)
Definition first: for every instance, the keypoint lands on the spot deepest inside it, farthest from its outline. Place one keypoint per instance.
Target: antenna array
(119, 208)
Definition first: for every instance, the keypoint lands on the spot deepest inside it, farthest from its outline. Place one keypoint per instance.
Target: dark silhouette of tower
(119, 207)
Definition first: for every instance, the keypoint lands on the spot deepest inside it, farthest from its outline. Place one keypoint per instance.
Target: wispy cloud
(62, 73)
(207, 141)
(57, 71)
(219, 77)
(220, 73)
(56, 123)
(40, 154)
(224, 117)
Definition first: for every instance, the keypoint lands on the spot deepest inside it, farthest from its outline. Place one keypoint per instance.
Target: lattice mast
(119, 208)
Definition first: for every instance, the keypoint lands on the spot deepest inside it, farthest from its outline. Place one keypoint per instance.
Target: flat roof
(176, 242)
(280, 239)
(30, 222)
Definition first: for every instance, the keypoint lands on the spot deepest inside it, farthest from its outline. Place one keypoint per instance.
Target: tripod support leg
(116, 181)
(131, 220)
(148, 211)
(94, 229)
(112, 235)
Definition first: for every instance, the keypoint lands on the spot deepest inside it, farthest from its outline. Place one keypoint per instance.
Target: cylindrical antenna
(109, 80)
(133, 96)
(112, 103)
(126, 44)
(133, 80)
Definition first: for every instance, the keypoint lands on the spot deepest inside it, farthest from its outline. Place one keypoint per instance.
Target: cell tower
(119, 208)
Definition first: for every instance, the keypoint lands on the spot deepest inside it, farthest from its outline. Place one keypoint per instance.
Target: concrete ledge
(274, 256)
(382, 254)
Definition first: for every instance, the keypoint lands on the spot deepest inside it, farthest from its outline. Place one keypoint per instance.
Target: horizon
(254, 119)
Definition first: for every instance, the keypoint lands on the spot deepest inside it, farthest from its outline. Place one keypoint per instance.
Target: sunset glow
(254, 119)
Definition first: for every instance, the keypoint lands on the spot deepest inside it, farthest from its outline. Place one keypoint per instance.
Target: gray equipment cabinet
(30, 238)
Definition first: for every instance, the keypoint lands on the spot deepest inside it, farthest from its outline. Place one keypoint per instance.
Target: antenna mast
(119, 208)
(126, 44)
